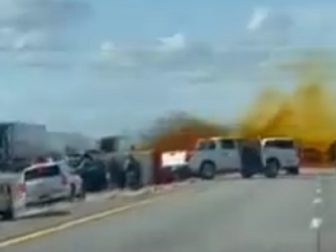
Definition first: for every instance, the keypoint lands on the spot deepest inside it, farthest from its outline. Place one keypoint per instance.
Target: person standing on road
(117, 176)
(132, 170)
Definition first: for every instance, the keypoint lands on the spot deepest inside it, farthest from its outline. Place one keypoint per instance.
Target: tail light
(64, 180)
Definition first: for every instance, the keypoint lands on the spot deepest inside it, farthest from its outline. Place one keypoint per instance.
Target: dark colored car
(93, 174)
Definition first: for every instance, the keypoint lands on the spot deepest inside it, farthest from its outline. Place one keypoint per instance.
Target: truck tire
(293, 170)
(208, 170)
(272, 168)
(9, 214)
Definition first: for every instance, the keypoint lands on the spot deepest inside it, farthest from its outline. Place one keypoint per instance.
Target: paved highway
(228, 214)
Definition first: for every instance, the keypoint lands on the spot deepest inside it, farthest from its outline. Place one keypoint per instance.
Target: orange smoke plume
(307, 114)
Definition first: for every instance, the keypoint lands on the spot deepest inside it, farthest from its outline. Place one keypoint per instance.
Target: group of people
(127, 175)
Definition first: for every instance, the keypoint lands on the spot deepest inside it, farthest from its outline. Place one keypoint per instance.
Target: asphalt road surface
(228, 214)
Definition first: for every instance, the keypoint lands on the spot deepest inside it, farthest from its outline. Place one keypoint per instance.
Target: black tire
(293, 171)
(272, 168)
(208, 170)
(9, 214)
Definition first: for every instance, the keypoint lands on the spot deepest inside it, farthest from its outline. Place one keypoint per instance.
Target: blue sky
(106, 66)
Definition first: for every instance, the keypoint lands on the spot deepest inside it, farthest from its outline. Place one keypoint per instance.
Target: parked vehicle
(12, 196)
(51, 182)
(215, 155)
(266, 156)
(93, 174)
(20, 142)
(176, 162)
(281, 152)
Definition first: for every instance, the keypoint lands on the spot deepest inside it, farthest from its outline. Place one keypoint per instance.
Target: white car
(50, 182)
(218, 154)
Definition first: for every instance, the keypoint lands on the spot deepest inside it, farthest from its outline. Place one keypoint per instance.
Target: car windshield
(42, 172)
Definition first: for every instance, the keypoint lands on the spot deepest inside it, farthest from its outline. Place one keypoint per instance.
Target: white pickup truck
(266, 156)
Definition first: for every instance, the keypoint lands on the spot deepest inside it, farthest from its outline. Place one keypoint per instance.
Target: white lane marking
(316, 223)
(318, 191)
(317, 201)
(73, 223)
(318, 182)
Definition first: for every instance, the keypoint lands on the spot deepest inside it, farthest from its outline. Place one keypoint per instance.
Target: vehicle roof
(42, 165)
(277, 139)
(216, 138)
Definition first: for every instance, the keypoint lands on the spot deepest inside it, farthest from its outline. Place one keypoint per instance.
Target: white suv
(50, 182)
(213, 155)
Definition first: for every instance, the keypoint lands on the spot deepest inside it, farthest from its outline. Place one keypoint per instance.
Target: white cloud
(28, 15)
(309, 25)
(271, 34)
(173, 43)
(37, 41)
(38, 25)
(107, 47)
(194, 62)
(269, 26)
(258, 17)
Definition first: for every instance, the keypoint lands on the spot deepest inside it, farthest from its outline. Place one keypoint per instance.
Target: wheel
(272, 168)
(246, 174)
(293, 170)
(208, 170)
(9, 214)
